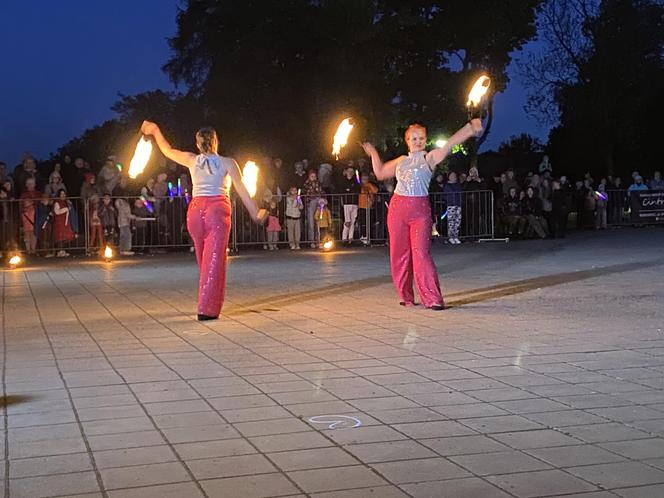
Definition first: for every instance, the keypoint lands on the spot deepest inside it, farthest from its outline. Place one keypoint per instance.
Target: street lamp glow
(441, 142)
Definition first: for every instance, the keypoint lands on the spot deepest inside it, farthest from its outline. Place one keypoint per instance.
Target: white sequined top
(413, 175)
(210, 176)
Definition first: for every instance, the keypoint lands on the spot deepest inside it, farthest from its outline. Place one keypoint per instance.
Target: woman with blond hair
(409, 216)
(209, 214)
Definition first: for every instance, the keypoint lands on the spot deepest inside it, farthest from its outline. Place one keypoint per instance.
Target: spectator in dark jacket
(510, 212)
(561, 201)
(531, 208)
(350, 188)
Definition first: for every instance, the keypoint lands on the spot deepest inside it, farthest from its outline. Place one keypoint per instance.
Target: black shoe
(436, 307)
(202, 318)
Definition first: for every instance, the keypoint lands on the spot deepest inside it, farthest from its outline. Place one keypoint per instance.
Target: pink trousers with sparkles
(209, 225)
(409, 225)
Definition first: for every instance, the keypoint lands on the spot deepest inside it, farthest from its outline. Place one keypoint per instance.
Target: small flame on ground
(141, 157)
(108, 252)
(341, 137)
(478, 91)
(15, 260)
(250, 177)
(327, 245)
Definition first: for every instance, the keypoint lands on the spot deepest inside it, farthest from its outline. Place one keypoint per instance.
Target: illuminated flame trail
(250, 177)
(341, 137)
(478, 91)
(141, 157)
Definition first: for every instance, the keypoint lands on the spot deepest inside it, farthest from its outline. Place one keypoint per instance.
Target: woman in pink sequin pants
(209, 214)
(409, 216)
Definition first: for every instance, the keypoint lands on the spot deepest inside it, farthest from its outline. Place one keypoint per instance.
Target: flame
(108, 252)
(341, 137)
(328, 244)
(478, 91)
(15, 260)
(141, 157)
(250, 177)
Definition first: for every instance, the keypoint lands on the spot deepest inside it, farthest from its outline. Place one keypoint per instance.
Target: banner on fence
(647, 206)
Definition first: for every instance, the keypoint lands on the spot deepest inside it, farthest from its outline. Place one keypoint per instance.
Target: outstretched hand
(149, 128)
(369, 149)
(477, 128)
(261, 216)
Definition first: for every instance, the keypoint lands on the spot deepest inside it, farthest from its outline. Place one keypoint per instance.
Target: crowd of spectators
(59, 206)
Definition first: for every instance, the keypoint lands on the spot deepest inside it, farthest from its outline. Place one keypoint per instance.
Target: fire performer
(409, 215)
(209, 214)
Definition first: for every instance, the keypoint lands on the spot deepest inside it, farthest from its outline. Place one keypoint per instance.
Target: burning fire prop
(341, 137)
(15, 260)
(141, 157)
(250, 177)
(476, 98)
(108, 253)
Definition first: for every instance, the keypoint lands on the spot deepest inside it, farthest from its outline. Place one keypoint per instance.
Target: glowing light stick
(141, 157)
(179, 187)
(444, 215)
(357, 177)
(601, 195)
(170, 190)
(147, 203)
(250, 177)
(341, 137)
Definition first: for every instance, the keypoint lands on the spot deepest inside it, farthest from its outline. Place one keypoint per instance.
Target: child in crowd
(96, 229)
(28, 212)
(44, 225)
(294, 209)
(141, 215)
(273, 227)
(65, 224)
(323, 222)
(109, 218)
(124, 224)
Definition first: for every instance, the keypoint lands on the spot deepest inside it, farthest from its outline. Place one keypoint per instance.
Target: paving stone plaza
(545, 377)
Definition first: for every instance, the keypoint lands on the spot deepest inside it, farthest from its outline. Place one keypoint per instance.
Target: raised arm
(381, 170)
(471, 129)
(184, 158)
(236, 177)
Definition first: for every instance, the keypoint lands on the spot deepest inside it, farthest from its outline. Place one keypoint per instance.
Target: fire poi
(141, 157)
(341, 137)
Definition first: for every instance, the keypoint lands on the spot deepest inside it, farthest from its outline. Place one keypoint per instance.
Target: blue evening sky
(65, 61)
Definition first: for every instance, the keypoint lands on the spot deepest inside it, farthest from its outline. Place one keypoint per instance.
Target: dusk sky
(64, 63)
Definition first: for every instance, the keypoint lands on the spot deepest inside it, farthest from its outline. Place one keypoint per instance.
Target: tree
(609, 104)
(521, 144)
(279, 75)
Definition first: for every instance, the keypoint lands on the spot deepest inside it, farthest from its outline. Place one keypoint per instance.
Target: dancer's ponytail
(207, 141)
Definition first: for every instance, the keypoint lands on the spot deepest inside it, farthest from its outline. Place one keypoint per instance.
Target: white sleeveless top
(413, 175)
(210, 176)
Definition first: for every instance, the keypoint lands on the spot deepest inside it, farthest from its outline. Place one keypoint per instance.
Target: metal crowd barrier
(28, 222)
(156, 224)
(159, 224)
(477, 220)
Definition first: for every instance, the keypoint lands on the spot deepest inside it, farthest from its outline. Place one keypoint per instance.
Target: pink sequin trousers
(209, 225)
(409, 225)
